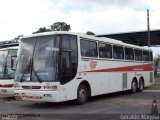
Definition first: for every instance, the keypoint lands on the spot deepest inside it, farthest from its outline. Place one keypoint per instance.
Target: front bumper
(37, 95)
(7, 91)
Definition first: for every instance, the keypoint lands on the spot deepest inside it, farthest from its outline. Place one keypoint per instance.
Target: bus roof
(8, 45)
(8, 48)
(102, 39)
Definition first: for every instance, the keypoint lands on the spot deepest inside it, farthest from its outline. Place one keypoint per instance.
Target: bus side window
(88, 48)
(129, 55)
(115, 52)
(145, 56)
(138, 55)
(150, 56)
(93, 49)
(84, 48)
(105, 50)
(118, 52)
(102, 51)
(109, 50)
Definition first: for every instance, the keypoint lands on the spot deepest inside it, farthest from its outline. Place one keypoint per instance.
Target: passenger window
(88, 48)
(138, 55)
(129, 54)
(93, 49)
(118, 52)
(105, 50)
(145, 56)
(84, 48)
(151, 56)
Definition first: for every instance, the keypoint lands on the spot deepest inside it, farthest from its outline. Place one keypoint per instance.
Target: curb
(151, 90)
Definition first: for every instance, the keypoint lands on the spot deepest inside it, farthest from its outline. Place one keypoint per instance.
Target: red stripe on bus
(6, 85)
(144, 67)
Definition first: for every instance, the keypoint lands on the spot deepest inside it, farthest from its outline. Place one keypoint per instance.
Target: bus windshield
(37, 59)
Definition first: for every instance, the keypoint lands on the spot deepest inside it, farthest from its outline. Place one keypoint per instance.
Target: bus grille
(31, 87)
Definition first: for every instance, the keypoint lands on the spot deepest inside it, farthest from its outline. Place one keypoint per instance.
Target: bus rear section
(62, 66)
(6, 73)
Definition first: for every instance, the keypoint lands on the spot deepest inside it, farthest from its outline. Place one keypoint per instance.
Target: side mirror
(13, 62)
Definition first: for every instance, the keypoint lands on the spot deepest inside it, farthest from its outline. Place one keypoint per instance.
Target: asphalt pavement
(111, 106)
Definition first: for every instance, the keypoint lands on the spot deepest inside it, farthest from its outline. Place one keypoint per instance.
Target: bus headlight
(16, 85)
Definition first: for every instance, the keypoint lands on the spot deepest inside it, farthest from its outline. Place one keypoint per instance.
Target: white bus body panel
(7, 86)
(104, 78)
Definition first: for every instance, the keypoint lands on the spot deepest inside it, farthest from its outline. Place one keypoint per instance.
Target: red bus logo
(93, 64)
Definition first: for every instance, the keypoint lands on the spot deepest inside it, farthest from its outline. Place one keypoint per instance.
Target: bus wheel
(134, 86)
(82, 94)
(141, 85)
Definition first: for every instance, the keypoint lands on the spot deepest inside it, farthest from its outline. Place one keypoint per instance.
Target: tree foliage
(57, 26)
(89, 33)
(40, 30)
(60, 26)
(156, 64)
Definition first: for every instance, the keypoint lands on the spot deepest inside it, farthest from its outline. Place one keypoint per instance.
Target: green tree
(18, 37)
(60, 26)
(40, 30)
(89, 33)
(156, 64)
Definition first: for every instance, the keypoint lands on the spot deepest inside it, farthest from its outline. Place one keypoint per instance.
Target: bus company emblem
(23, 95)
(93, 64)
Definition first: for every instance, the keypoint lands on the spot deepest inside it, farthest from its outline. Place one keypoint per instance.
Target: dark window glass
(102, 51)
(118, 52)
(88, 48)
(66, 43)
(85, 48)
(9, 72)
(105, 50)
(69, 58)
(145, 56)
(93, 49)
(129, 54)
(138, 55)
(151, 56)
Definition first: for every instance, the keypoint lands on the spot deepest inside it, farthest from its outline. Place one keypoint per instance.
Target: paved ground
(111, 106)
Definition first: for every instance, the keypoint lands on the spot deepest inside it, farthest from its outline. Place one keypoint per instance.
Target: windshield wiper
(26, 69)
(30, 65)
(36, 74)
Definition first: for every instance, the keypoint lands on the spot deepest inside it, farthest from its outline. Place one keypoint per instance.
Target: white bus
(62, 66)
(6, 73)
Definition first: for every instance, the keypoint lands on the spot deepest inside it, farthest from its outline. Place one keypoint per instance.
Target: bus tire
(141, 85)
(82, 94)
(134, 86)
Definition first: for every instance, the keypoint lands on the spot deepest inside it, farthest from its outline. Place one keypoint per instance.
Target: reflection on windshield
(9, 73)
(24, 60)
(5, 63)
(43, 52)
(3, 55)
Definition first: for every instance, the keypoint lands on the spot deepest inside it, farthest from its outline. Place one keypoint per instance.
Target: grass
(152, 87)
